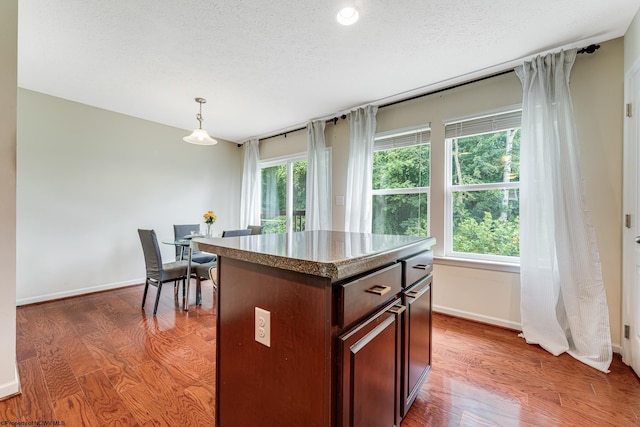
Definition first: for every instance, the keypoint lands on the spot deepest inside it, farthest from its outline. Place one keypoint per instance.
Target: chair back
(152, 256)
(255, 229)
(235, 233)
(181, 230)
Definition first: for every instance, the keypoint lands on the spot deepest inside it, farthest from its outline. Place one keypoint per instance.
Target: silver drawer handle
(418, 294)
(379, 289)
(420, 266)
(397, 309)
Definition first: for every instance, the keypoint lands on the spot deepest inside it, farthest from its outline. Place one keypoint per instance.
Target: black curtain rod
(333, 120)
(444, 89)
(589, 49)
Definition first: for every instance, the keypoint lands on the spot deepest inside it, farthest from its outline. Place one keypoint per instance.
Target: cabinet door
(370, 371)
(417, 340)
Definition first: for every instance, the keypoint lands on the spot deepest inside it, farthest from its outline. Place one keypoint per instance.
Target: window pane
(487, 222)
(404, 214)
(406, 167)
(299, 194)
(487, 158)
(274, 190)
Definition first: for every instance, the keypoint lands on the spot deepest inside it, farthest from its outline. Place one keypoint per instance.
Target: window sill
(478, 264)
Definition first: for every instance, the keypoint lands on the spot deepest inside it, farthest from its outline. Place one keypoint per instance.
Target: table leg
(188, 284)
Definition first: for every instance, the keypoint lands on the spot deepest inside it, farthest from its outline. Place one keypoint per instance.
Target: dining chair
(184, 230)
(158, 273)
(203, 272)
(236, 233)
(213, 275)
(255, 229)
(208, 271)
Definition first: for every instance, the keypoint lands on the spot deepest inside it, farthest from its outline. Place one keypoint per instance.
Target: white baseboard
(76, 292)
(494, 321)
(10, 388)
(478, 317)
(437, 308)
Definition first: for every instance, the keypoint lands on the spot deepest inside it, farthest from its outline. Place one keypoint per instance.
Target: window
(483, 181)
(283, 194)
(401, 165)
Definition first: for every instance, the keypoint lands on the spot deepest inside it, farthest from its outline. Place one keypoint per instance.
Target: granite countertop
(332, 254)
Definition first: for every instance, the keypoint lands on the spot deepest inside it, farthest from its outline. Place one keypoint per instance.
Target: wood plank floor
(98, 360)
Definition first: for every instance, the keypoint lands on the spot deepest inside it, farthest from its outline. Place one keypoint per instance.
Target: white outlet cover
(263, 326)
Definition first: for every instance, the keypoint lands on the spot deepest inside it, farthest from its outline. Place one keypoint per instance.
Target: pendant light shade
(200, 136)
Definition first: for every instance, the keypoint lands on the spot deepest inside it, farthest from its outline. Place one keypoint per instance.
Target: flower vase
(209, 230)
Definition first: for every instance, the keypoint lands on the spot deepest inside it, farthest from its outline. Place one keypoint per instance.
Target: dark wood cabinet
(350, 339)
(385, 358)
(416, 331)
(370, 371)
(416, 340)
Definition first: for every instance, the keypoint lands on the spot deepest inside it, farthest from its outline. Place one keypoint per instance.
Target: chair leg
(176, 288)
(144, 294)
(213, 275)
(198, 291)
(155, 307)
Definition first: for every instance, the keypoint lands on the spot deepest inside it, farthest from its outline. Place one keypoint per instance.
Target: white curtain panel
(563, 301)
(318, 208)
(250, 198)
(362, 128)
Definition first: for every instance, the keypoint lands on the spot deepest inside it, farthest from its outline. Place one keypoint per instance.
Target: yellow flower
(209, 217)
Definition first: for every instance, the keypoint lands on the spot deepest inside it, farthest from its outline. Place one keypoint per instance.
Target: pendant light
(200, 136)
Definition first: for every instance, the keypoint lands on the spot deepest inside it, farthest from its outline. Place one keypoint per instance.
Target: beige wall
(597, 89)
(632, 43)
(9, 383)
(89, 178)
(494, 296)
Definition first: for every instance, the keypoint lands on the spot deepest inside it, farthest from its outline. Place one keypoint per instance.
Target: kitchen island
(320, 328)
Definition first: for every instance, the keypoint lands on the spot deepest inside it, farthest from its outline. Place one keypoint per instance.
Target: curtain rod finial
(589, 49)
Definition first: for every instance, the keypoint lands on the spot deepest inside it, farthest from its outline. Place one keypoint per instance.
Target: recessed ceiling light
(347, 15)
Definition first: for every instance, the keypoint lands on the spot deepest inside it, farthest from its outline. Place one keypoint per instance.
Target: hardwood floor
(98, 360)
(487, 376)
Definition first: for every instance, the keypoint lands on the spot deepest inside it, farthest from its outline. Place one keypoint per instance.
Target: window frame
(450, 188)
(289, 161)
(378, 145)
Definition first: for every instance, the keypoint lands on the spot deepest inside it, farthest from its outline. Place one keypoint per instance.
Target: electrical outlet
(263, 326)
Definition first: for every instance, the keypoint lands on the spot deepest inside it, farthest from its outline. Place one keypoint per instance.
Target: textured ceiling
(266, 67)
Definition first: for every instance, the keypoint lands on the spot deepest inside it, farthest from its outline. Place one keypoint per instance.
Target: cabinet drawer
(417, 267)
(360, 297)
